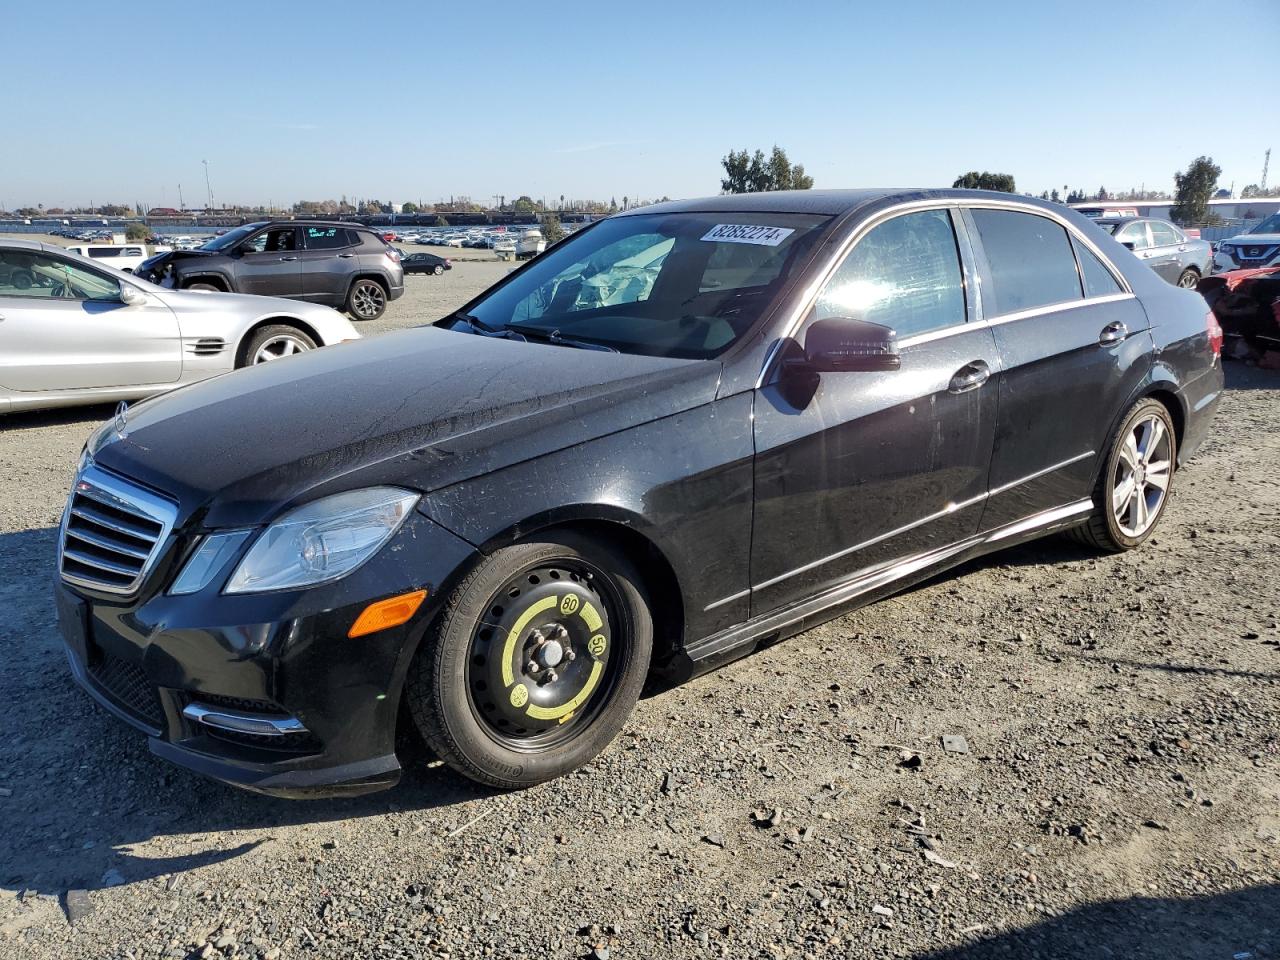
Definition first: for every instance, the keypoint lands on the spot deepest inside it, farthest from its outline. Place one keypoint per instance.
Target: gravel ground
(1120, 796)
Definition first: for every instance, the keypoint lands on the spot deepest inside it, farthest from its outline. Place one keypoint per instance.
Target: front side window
(25, 274)
(1031, 261)
(326, 238)
(905, 274)
(272, 241)
(1135, 234)
(673, 285)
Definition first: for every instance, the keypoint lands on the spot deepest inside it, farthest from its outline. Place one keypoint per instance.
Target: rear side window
(104, 253)
(1030, 258)
(1098, 280)
(326, 238)
(905, 274)
(1163, 235)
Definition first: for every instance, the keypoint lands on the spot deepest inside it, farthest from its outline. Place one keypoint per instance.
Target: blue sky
(408, 101)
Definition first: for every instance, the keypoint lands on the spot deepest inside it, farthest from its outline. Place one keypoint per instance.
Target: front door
(1074, 345)
(860, 470)
(64, 327)
(268, 263)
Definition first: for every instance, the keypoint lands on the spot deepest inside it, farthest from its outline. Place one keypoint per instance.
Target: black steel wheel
(535, 663)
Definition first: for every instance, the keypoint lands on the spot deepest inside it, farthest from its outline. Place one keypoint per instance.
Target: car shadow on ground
(84, 803)
(59, 416)
(1244, 924)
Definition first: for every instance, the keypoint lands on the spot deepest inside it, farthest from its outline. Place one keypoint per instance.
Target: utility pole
(181, 206)
(206, 182)
(1266, 163)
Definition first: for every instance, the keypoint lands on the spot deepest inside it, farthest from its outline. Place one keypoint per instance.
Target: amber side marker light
(390, 612)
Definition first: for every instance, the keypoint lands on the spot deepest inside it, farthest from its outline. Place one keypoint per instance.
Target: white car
(1260, 247)
(74, 331)
(123, 257)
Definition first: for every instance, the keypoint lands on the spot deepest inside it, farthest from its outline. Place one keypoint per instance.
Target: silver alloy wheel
(1141, 481)
(367, 300)
(285, 345)
(1188, 280)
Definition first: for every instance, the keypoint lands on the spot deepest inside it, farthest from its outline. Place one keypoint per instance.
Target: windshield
(1269, 225)
(668, 285)
(231, 238)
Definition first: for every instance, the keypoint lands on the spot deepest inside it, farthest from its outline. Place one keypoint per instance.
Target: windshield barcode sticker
(746, 233)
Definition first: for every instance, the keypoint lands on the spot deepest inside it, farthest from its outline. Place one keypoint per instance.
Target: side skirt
(862, 588)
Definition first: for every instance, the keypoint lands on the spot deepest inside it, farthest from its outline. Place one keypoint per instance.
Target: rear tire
(204, 285)
(274, 342)
(366, 300)
(1189, 279)
(1135, 483)
(535, 662)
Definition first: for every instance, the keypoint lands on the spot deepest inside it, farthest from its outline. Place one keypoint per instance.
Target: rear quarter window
(1098, 280)
(1031, 261)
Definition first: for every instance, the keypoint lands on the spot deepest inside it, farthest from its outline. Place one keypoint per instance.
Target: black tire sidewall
(351, 297)
(479, 752)
(1138, 411)
(261, 336)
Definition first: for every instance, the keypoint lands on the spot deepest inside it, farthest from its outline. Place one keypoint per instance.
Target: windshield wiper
(475, 322)
(556, 337)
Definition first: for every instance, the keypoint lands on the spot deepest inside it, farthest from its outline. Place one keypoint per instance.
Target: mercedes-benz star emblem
(121, 420)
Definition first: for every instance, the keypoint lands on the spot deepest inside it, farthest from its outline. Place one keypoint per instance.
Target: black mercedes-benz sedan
(684, 433)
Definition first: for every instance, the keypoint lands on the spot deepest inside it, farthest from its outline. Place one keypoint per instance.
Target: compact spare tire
(367, 300)
(535, 662)
(1134, 487)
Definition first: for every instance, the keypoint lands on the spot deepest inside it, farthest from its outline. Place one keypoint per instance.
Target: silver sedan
(74, 331)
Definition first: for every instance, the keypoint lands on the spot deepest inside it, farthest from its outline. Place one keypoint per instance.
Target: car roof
(825, 202)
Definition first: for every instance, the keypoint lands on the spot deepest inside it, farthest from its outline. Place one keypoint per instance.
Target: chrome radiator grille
(112, 532)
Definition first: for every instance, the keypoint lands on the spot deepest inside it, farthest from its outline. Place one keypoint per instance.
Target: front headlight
(1228, 249)
(323, 540)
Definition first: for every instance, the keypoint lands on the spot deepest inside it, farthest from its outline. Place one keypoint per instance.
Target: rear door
(63, 327)
(268, 264)
(327, 260)
(1073, 343)
(1167, 246)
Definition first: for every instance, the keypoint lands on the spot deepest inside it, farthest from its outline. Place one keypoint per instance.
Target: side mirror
(1127, 244)
(840, 344)
(131, 296)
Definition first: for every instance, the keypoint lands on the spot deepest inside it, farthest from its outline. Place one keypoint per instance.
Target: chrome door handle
(969, 377)
(288, 258)
(1113, 333)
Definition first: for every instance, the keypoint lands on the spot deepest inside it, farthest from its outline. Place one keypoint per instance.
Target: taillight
(1215, 333)
(393, 255)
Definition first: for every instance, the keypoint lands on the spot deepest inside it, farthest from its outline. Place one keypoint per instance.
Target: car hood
(1254, 240)
(422, 408)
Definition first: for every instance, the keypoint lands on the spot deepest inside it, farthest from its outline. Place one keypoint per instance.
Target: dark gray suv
(342, 265)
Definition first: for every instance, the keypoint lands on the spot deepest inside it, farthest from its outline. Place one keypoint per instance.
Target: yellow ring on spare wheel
(555, 713)
(590, 617)
(517, 628)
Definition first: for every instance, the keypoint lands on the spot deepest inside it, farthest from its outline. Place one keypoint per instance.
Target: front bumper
(264, 692)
